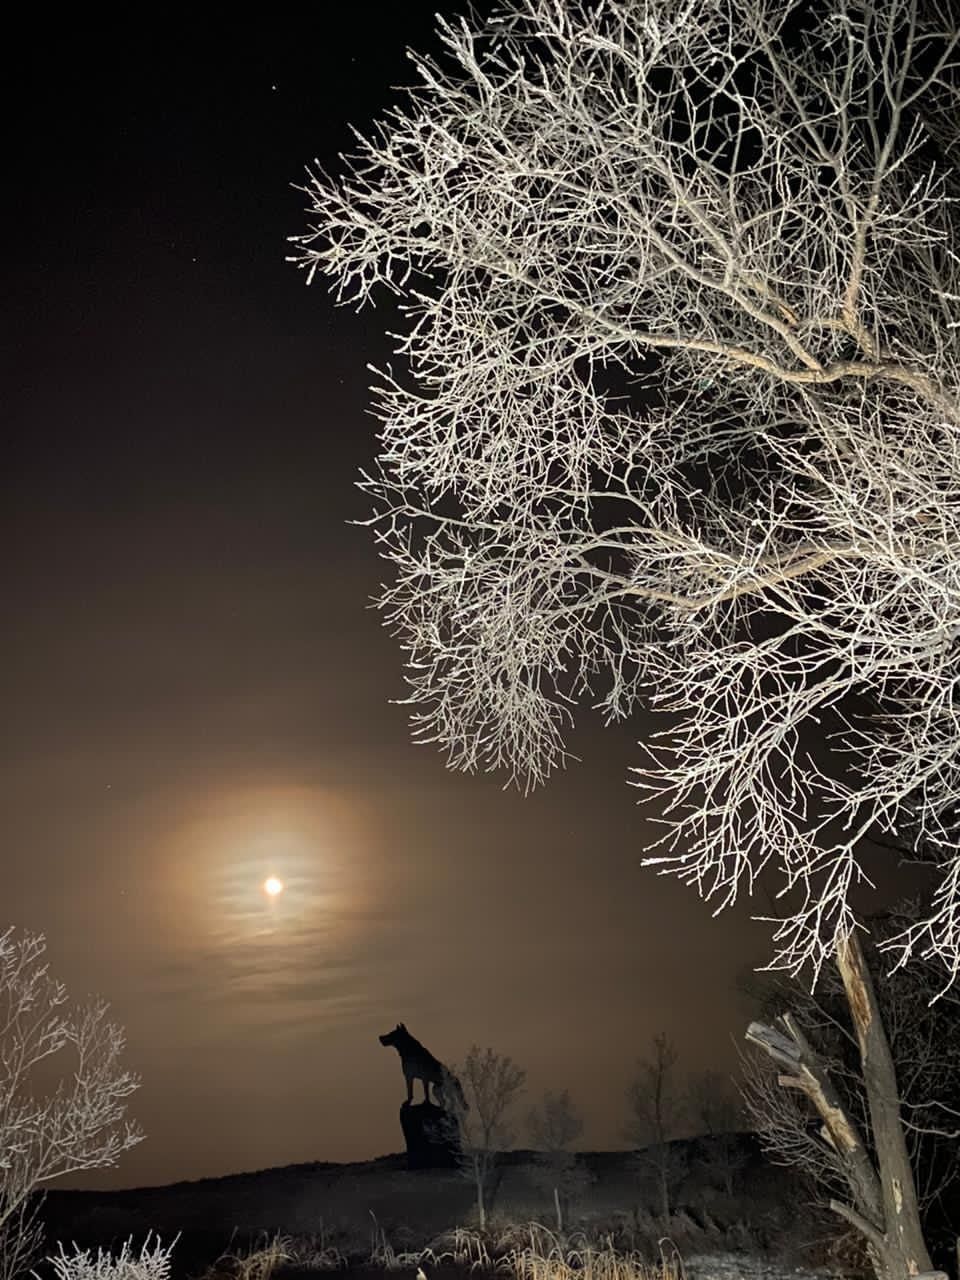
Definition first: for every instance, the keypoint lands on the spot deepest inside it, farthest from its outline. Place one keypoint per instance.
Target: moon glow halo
(273, 886)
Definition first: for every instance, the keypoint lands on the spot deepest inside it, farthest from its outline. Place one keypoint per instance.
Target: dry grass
(530, 1252)
(547, 1256)
(312, 1253)
(465, 1249)
(533, 1252)
(309, 1253)
(258, 1263)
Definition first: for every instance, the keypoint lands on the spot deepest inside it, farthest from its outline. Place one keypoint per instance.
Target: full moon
(272, 886)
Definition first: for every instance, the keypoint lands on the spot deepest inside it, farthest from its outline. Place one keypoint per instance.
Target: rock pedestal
(431, 1135)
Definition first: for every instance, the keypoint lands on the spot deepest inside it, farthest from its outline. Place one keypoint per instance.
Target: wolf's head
(396, 1037)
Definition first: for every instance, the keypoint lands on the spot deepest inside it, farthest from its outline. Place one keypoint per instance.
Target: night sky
(196, 692)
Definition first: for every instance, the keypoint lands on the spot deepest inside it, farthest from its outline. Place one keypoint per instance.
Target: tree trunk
(480, 1174)
(728, 1155)
(793, 1053)
(881, 1185)
(905, 1249)
(664, 1187)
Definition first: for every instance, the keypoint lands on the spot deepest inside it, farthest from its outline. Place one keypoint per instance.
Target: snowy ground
(735, 1266)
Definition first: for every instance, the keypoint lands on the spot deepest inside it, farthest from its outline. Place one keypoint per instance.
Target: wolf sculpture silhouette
(419, 1063)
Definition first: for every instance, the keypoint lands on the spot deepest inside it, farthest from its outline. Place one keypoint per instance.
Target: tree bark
(904, 1242)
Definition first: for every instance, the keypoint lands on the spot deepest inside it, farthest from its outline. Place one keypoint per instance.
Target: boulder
(431, 1136)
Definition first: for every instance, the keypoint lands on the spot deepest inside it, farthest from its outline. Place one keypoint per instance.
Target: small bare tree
(81, 1124)
(679, 415)
(554, 1125)
(657, 1109)
(492, 1083)
(861, 1093)
(717, 1111)
(715, 1106)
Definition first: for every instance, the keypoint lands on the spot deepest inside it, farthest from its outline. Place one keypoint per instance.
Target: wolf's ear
(401, 1026)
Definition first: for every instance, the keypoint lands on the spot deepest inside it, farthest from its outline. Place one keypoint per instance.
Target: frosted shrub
(153, 1262)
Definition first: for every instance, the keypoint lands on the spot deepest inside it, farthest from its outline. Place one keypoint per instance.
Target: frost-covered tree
(676, 416)
(79, 1124)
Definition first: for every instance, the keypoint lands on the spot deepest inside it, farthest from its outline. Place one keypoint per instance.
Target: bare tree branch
(679, 417)
(81, 1124)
